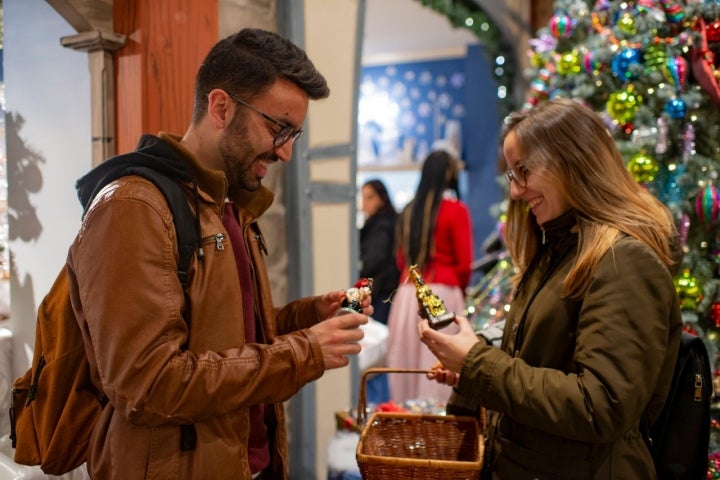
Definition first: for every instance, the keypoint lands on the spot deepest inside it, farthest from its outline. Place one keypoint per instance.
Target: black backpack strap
(187, 239)
(187, 227)
(183, 218)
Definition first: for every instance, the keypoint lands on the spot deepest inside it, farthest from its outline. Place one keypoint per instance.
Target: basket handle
(362, 396)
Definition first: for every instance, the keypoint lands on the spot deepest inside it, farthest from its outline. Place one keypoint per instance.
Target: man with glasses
(196, 380)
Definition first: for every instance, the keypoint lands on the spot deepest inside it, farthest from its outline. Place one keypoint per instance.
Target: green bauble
(626, 23)
(623, 105)
(569, 64)
(537, 61)
(689, 289)
(643, 167)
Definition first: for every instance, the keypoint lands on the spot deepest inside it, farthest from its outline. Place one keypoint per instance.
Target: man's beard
(239, 157)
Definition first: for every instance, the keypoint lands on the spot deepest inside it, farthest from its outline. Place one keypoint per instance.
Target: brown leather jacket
(160, 372)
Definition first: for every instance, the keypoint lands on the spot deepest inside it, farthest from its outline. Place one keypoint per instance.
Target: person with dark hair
(377, 242)
(592, 334)
(434, 232)
(195, 378)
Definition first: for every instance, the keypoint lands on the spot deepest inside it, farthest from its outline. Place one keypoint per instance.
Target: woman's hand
(450, 350)
(443, 376)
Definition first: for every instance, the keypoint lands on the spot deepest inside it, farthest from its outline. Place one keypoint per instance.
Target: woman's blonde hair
(566, 142)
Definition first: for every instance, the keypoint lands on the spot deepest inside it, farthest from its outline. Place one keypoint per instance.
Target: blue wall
(405, 108)
(482, 131)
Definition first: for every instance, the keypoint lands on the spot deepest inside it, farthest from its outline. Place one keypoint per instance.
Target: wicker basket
(408, 446)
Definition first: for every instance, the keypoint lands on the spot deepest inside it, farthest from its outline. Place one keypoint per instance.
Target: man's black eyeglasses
(286, 132)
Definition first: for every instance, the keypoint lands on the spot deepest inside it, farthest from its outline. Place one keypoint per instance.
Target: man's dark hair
(248, 62)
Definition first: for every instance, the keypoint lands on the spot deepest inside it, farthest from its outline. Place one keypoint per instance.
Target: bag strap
(188, 237)
(183, 218)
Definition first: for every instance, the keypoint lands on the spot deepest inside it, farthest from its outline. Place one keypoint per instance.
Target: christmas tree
(649, 68)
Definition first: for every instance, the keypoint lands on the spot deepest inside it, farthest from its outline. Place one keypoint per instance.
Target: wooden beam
(167, 41)
(71, 14)
(91, 21)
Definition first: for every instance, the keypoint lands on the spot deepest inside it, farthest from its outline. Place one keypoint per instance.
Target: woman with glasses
(434, 232)
(592, 334)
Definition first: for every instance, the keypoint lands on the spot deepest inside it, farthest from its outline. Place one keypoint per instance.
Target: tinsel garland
(468, 14)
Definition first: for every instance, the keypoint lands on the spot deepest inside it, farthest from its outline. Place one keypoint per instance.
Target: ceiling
(405, 30)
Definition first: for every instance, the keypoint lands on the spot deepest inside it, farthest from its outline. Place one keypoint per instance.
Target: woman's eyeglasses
(519, 176)
(286, 132)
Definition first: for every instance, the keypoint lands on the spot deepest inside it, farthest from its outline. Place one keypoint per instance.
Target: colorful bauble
(676, 71)
(590, 64)
(676, 108)
(622, 105)
(689, 289)
(561, 25)
(650, 9)
(707, 205)
(643, 167)
(623, 62)
(673, 11)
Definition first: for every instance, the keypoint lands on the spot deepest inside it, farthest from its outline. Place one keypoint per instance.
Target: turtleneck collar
(558, 229)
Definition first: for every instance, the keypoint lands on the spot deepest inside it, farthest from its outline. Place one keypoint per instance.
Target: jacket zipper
(218, 239)
(555, 259)
(261, 243)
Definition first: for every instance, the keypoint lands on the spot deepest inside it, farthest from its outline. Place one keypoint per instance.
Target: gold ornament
(430, 306)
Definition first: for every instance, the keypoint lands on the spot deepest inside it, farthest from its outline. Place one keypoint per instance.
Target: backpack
(54, 404)
(680, 437)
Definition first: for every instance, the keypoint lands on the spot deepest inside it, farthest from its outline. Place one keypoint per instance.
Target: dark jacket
(377, 254)
(572, 378)
(160, 372)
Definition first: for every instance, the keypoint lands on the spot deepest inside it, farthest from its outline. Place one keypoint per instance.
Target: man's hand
(329, 303)
(339, 337)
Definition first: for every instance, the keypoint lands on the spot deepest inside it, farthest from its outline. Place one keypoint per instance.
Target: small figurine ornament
(430, 306)
(352, 303)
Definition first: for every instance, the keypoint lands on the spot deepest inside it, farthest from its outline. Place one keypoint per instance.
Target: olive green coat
(572, 378)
